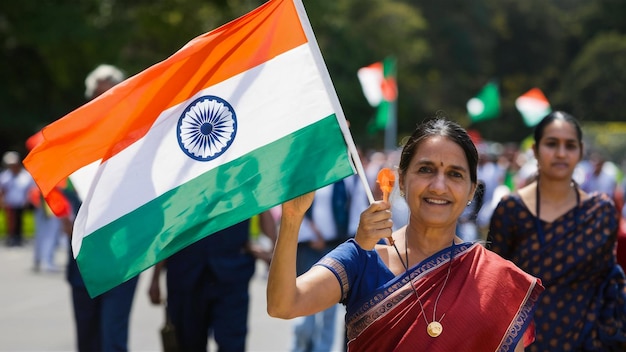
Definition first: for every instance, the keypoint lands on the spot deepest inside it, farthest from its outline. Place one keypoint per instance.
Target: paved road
(36, 315)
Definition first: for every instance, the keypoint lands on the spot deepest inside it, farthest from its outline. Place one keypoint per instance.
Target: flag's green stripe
(295, 164)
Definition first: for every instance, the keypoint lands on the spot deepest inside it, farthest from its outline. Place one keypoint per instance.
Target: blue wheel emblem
(206, 128)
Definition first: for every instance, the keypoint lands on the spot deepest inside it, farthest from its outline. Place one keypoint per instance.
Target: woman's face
(559, 151)
(437, 183)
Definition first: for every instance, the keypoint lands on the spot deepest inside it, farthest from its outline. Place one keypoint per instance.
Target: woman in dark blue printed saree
(553, 230)
(426, 290)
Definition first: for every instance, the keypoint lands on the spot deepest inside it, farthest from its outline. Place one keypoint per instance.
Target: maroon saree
(487, 301)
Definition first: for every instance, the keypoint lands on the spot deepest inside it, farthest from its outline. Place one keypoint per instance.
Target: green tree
(446, 51)
(595, 85)
(353, 34)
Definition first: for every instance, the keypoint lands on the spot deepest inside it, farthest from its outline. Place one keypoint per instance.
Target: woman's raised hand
(375, 223)
(299, 205)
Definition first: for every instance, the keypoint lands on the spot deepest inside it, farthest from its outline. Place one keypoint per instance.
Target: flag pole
(341, 118)
(361, 173)
(391, 129)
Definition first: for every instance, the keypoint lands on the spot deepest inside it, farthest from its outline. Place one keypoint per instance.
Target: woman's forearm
(281, 282)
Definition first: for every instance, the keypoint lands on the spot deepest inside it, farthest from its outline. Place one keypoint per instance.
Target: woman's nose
(438, 183)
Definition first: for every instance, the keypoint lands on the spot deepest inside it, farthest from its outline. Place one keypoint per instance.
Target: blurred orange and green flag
(378, 82)
(533, 106)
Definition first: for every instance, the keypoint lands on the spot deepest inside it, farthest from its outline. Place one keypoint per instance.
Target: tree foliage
(573, 50)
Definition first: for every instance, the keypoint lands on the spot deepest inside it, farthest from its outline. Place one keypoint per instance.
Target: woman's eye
(456, 174)
(425, 169)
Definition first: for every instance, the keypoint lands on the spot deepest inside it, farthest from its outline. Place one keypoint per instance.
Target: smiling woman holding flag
(428, 290)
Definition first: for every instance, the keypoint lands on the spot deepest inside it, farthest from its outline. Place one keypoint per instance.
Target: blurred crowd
(502, 169)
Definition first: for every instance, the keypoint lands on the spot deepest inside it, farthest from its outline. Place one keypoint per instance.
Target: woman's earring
(402, 194)
(469, 202)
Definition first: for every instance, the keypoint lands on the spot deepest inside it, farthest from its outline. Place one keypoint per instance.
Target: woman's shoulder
(511, 200)
(350, 250)
(349, 246)
(353, 259)
(498, 265)
(491, 258)
(599, 197)
(598, 201)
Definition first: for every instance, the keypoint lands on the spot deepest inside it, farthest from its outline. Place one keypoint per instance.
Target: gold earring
(402, 194)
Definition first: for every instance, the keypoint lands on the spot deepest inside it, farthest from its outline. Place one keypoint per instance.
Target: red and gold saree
(487, 303)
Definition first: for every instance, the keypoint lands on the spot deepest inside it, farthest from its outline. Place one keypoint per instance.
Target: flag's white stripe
(288, 88)
(531, 104)
(83, 177)
(371, 82)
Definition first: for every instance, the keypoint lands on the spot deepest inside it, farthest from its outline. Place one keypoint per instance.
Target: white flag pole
(332, 94)
(391, 130)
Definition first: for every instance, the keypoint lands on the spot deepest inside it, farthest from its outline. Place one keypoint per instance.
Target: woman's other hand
(375, 224)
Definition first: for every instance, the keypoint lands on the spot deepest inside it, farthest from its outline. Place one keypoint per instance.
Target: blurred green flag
(378, 82)
(486, 104)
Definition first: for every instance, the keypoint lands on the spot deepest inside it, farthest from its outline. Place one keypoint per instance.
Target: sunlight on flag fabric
(227, 127)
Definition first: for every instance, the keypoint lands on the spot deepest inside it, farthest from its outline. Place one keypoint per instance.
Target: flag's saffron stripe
(259, 180)
(271, 100)
(124, 114)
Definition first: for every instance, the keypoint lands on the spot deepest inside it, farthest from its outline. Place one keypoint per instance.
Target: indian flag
(378, 82)
(239, 120)
(533, 106)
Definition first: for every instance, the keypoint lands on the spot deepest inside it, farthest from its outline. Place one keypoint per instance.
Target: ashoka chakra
(207, 128)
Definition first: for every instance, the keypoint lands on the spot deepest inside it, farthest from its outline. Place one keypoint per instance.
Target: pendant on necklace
(434, 329)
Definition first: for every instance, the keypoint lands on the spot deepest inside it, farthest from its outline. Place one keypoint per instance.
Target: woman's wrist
(366, 244)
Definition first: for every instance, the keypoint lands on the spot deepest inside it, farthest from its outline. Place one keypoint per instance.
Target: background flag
(533, 106)
(227, 127)
(378, 82)
(486, 104)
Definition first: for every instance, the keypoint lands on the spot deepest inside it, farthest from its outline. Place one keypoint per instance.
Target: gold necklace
(433, 328)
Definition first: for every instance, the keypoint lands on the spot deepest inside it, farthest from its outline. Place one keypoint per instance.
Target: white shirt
(15, 187)
(323, 218)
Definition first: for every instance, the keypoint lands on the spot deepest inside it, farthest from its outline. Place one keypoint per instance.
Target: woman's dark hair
(551, 117)
(440, 126)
